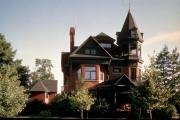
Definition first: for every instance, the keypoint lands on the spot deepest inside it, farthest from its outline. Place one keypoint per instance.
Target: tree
(12, 96)
(6, 52)
(81, 100)
(60, 106)
(168, 64)
(43, 70)
(7, 55)
(150, 94)
(162, 79)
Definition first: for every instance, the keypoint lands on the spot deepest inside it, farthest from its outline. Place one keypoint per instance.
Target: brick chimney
(72, 33)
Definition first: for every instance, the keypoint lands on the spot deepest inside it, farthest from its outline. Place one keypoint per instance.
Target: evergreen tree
(43, 70)
(168, 64)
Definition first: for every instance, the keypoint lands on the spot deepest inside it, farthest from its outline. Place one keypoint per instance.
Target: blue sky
(40, 28)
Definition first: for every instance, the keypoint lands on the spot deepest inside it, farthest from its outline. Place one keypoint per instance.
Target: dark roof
(129, 25)
(103, 38)
(120, 81)
(75, 53)
(44, 86)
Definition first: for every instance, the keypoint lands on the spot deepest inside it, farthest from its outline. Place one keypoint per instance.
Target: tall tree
(6, 52)
(149, 94)
(12, 96)
(168, 64)
(7, 55)
(162, 76)
(43, 70)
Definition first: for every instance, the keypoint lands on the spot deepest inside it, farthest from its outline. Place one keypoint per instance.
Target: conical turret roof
(128, 26)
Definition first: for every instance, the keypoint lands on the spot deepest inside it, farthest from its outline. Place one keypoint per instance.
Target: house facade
(43, 90)
(101, 60)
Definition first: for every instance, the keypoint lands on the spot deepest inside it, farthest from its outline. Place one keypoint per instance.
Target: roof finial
(129, 4)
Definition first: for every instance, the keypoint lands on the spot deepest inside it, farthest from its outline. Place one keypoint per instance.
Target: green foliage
(12, 95)
(161, 82)
(43, 70)
(6, 52)
(101, 106)
(168, 112)
(81, 100)
(23, 73)
(34, 107)
(45, 113)
(168, 65)
(60, 106)
(7, 58)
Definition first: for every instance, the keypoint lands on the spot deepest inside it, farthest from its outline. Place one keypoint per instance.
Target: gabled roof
(44, 86)
(103, 38)
(85, 44)
(120, 81)
(129, 25)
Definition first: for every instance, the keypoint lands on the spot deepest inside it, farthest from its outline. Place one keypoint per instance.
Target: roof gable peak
(85, 44)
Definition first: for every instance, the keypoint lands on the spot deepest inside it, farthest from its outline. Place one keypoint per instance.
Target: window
(90, 51)
(79, 74)
(93, 51)
(105, 45)
(133, 73)
(87, 51)
(90, 73)
(133, 34)
(116, 70)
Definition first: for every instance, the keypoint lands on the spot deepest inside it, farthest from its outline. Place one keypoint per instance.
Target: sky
(40, 28)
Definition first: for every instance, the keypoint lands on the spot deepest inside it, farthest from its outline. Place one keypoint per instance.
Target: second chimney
(72, 34)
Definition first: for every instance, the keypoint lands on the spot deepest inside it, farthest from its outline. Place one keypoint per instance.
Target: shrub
(45, 113)
(61, 106)
(101, 107)
(34, 107)
(165, 113)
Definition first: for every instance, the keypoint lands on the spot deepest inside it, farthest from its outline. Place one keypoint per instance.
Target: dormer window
(90, 51)
(133, 34)
(105, 45)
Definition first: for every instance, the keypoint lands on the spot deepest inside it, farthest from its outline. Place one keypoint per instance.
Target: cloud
(170, 38)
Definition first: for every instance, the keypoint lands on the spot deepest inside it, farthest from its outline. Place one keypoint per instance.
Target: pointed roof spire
(129, 22)
(128, 26)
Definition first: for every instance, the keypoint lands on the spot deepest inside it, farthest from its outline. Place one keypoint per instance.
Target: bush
(165, 113)
(34, 107)
(61, 106)
(45, 113)
(171, 111)
(101, 107)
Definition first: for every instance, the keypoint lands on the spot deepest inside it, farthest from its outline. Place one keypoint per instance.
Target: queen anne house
(107, 67)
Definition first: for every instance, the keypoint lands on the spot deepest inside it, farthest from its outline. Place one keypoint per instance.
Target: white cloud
(157, 42)
(170, 38)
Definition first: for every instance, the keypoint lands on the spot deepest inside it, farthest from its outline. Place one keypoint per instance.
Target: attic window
(90, 51)
(105, 45)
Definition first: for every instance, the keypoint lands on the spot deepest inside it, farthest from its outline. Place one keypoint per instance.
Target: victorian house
(108, 67)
